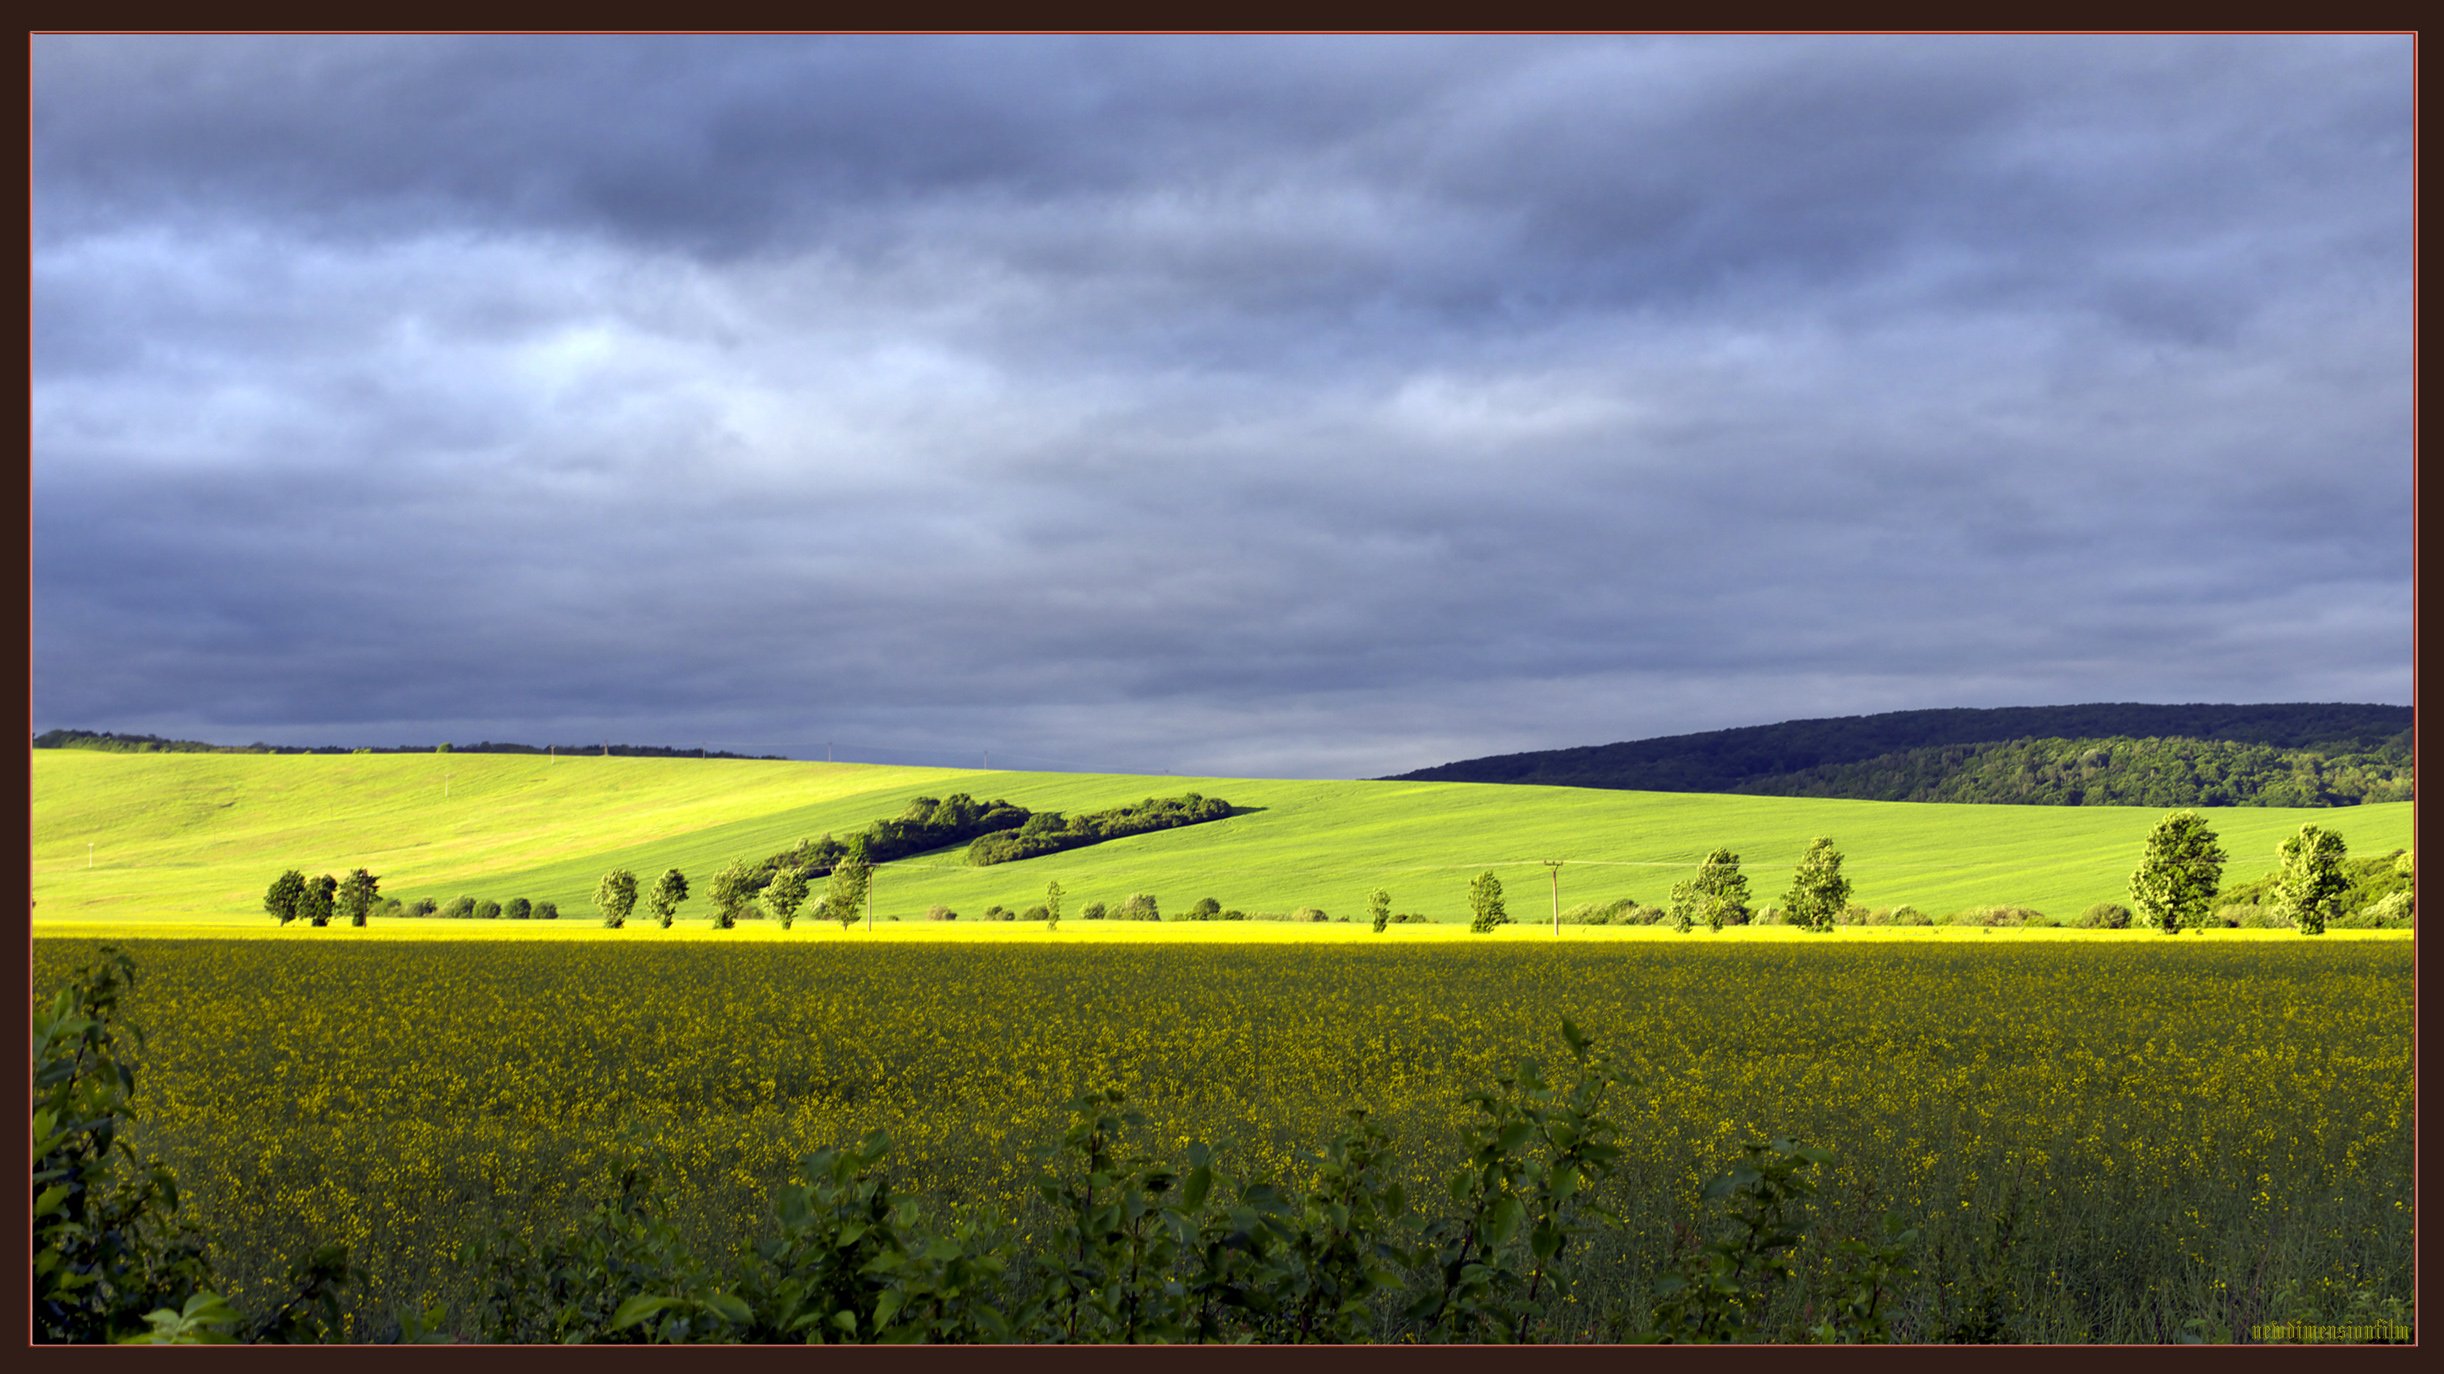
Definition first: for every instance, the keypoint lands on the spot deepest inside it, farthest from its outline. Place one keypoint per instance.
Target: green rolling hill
(195, 838)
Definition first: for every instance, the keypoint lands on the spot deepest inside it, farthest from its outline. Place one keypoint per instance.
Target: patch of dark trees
(995, 832)
(2299, 754)
(1049, 833)
(926, 824)
(111, 742)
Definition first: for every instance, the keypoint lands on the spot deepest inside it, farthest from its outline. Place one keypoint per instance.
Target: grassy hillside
(182, 838)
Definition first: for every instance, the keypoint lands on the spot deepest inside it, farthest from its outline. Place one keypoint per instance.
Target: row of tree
(735, 890)
(295, 897)
(2177, 878)
(2173, 888)
(1715, 897)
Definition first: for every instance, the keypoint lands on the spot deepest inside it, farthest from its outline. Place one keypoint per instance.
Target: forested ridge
(2306, 754)
(113, 742)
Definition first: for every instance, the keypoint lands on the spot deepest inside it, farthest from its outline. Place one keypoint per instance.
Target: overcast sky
(1307, 407)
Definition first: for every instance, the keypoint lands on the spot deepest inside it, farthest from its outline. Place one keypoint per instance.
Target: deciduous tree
(668, 893)
(356, 896)
(316, 907)
(2177, 877)
(1485, 901)
(2311, 882)
(1818, 892)
(615, 897)
(845, 895)
(784, 895)
(1717, 895)
(733, 888)
(286, 899)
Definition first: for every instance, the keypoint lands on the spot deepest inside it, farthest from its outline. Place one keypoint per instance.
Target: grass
(190, 841)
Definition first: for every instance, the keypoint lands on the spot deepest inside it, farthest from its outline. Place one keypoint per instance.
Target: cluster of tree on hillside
(2111, 772)
(1731, 760)
(926, 824)
(110, 742)
(1047, 832)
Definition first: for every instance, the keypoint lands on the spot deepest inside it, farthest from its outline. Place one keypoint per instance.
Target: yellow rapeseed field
(2100, 1139)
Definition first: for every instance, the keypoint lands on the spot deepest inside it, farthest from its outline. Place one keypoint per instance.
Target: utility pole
(1555, 866)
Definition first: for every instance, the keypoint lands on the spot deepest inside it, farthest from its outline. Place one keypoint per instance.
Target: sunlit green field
(134, 840)
(2102, 1139)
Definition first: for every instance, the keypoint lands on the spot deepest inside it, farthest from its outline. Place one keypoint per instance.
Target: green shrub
(1907, 915)
(1206, 909)
(1092, 911)
(1309, 914)
(1770, 916)
(517, 909)
(1232, 915)
(1038, 912)
(460, 909)
(487, 910)
(2105, 916)
(2394, 912)
(547, 911)
(1139, 907)
(938, 912)
(423, 906)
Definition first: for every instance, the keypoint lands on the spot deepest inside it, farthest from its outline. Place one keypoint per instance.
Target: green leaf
(640, 1308)
(1503, 1219)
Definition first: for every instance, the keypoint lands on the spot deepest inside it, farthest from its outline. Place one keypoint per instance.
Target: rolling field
(2111, 1140)
(189, 839)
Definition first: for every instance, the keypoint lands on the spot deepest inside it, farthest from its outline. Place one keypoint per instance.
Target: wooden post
(1555, 866)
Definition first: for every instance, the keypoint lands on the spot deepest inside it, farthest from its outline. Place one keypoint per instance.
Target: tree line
(2112, 772)
(2315, 885)
(1749, 758)
(112, 742)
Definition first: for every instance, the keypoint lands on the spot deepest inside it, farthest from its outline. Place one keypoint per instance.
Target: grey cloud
(1297, 406)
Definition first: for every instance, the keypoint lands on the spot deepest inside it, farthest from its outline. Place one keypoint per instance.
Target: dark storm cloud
(1313, 405)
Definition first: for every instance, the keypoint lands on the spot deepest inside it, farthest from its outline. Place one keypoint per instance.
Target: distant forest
(109, 742)
(2310, 754)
